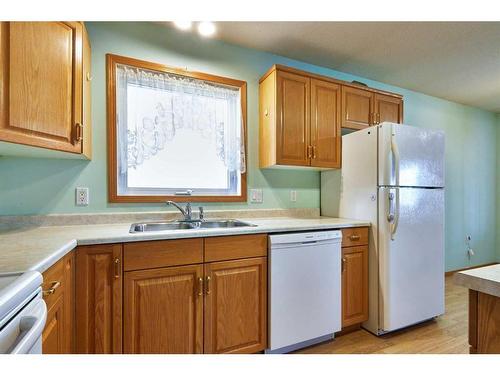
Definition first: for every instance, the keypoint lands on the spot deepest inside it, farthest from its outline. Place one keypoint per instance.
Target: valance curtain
(211, 110)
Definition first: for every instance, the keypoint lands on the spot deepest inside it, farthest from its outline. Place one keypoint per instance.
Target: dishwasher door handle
(30, 329)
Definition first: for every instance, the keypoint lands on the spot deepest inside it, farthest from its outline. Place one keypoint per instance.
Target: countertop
(37, 248)
(483, 279)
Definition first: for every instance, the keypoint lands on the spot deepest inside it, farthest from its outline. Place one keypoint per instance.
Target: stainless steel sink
(182, 225)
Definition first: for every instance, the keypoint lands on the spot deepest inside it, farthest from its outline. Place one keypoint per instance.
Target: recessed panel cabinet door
(357, 108)
(354, 285)
(236, 306)
(53, 336)
(388, 108)
(164, 311)
(99, 299)
(292, 112)
(41, 84)
(325, 124)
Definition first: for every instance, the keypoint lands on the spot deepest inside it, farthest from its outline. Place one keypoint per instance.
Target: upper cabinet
(299, 120)
(45, 85)
(362, 107)
(301, 116)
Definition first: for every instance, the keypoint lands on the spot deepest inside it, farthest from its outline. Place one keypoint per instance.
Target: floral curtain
(182, 102)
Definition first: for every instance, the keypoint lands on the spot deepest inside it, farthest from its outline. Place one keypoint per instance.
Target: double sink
(186, 225)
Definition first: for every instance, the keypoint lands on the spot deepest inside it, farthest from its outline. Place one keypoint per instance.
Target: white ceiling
(458, 61)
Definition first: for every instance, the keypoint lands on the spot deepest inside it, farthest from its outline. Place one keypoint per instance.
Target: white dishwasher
(304, 290)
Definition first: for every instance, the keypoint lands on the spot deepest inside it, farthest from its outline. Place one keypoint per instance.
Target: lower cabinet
(354, 285)
(354, 276)
(99, 299)
(164, 310)
(58, 293)
(236, 306)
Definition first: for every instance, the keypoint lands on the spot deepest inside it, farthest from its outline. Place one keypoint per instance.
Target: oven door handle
(30, 329)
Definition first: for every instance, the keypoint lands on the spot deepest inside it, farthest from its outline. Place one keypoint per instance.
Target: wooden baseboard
(449, 273)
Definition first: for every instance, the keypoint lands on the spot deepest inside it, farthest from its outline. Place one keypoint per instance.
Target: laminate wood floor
(446, 334)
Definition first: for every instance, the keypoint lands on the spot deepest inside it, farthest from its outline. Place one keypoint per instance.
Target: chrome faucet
(186, 211)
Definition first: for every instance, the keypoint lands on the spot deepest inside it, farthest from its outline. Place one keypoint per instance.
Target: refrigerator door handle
(391, 215)
(395, 221)
(395, 159)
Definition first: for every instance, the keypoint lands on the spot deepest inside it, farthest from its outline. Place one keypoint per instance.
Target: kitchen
(253, 194)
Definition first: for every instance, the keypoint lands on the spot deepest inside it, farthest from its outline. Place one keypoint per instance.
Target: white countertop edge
(480, 279)
(216, 232)
(49, 261)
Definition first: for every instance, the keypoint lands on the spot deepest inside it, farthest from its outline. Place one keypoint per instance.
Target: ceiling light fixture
(183, 25)
(206, 28)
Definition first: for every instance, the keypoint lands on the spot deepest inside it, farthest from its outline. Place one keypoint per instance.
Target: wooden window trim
(113, 196)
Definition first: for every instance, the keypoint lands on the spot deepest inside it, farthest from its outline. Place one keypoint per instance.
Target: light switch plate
(256, 196)
(293, 195)
(82, 196)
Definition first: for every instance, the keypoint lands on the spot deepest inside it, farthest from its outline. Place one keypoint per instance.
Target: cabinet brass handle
(208, 285)
(117, 268)
(200, 286)
(354, 237)
(314, 152)
(52, 289)
(343, 264)
(79, 132)
(309, 152)
(378, 118)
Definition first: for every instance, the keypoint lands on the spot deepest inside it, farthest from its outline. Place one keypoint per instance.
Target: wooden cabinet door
(388, 108)
(236, 306)
(41, 84)
(325, 124)
(99, 299)
(292, 109)
(357, 108)
(164, 310)
(354, 285)
(58, 286)
(53, 337)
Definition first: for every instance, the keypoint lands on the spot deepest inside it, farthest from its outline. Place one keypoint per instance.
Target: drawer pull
(117, 268)
(200, 286)
(79, 132)
(52, 289)
(208, 285)
(354, 237)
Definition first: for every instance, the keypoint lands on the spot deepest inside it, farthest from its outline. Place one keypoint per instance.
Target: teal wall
(39, 186)
(498, 189)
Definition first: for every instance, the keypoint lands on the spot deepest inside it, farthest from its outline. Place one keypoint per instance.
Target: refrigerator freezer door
(411, 250)
(410, 156)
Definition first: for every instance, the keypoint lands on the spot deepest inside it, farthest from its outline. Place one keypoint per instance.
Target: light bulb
(183, 25)
(206, 28)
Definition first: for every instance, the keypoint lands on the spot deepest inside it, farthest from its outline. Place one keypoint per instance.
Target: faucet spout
(186, 212)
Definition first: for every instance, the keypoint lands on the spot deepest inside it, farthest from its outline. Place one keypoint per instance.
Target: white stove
(22, 313)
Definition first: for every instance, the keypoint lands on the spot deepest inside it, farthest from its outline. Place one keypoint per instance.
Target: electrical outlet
(293, 195)
(82, 196)
(256, 196)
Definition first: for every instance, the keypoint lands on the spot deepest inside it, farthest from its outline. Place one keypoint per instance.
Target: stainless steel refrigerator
(393, 176)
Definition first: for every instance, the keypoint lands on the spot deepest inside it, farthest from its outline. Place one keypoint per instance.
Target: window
(174, 134)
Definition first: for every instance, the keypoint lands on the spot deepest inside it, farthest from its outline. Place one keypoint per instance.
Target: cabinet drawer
(156, 254)
(354, 236)
(235, 247)
(53, 283)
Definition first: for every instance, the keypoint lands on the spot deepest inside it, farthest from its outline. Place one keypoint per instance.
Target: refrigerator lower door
(410, 156)
(411, 256)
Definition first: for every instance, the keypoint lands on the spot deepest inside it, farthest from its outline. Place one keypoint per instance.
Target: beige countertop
(37, 248)
(483, 279)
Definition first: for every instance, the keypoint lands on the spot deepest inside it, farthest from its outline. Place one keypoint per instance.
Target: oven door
(23, 333)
